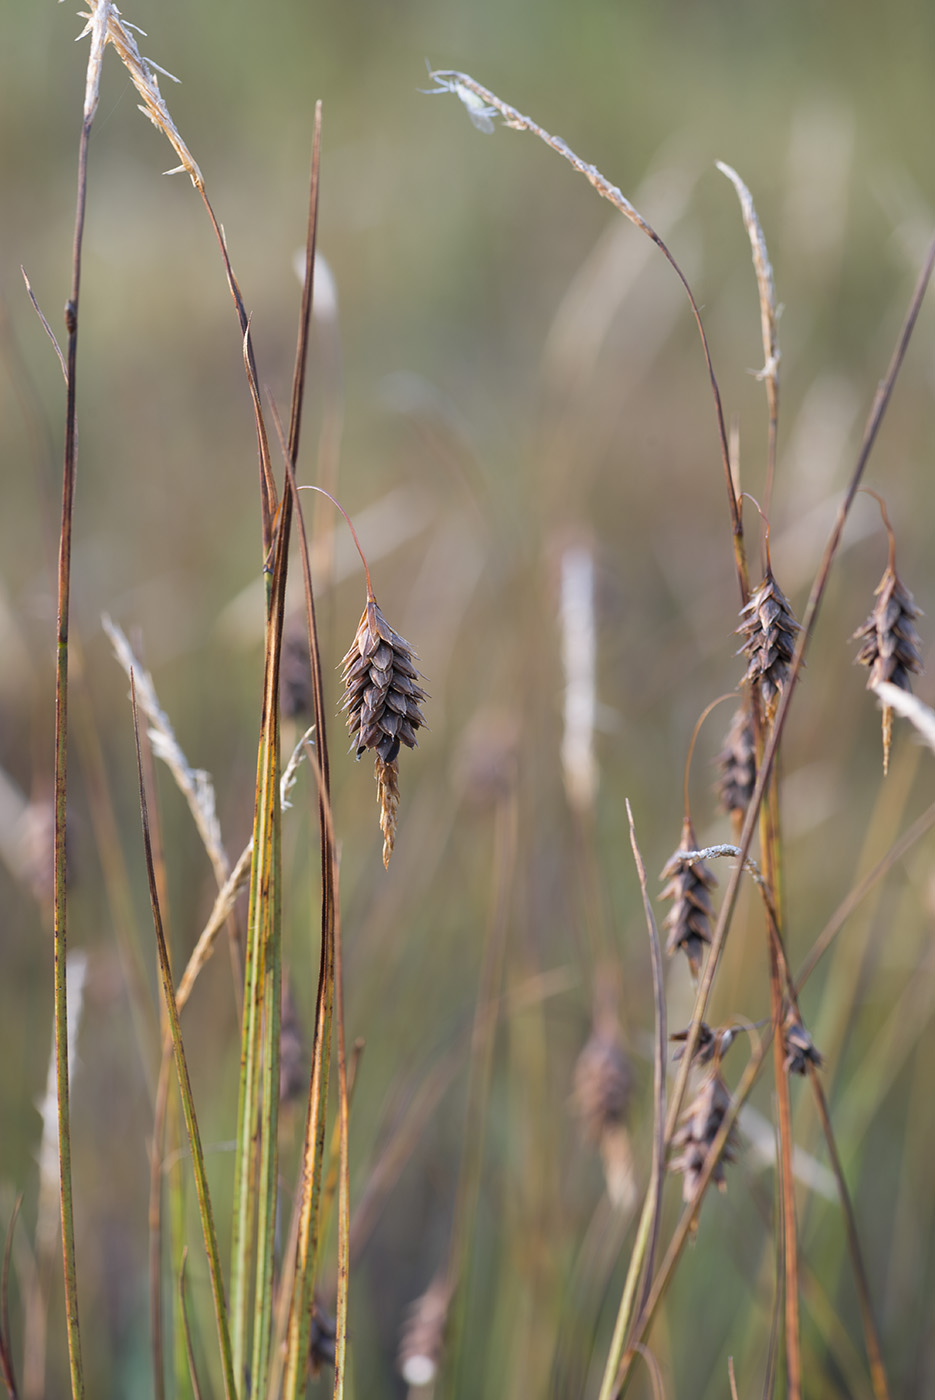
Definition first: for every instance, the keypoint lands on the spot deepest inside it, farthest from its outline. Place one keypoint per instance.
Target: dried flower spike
(699, 1126)
(737, 765)
(768, 628)
(603, 1087)
(382, 699)
(689, 920)
(799, 1046)
(889, 643)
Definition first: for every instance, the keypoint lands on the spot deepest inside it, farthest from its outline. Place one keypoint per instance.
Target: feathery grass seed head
(689, 886)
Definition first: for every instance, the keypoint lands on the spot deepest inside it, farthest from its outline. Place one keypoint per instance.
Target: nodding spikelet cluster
(889, 644)
(603, 1088)
(698, 1127)
(382, 700)
(768, 628)
(423, 1337)
(798, 1045)
(689, 886)
(737, 766)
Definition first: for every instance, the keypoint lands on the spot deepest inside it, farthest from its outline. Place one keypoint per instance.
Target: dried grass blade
(188, 1105)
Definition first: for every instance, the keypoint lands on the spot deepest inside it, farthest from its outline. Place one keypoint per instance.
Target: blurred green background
(512, 369)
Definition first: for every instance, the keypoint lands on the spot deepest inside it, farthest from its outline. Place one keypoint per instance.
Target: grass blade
(188, 1106)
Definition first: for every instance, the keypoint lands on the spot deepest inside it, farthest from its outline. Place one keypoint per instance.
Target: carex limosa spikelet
(768, 627)
(889, 642)
(382, 701)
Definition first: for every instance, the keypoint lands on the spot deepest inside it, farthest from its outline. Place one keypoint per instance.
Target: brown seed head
(699, 1126)
(603, 1084)
(768, 628)
(603, 1088)
(737, 765)
(889, 644)
(382, 696)
(689, 883)
(382, 700)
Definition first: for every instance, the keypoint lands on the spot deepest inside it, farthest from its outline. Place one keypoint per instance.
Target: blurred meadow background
(506, 377)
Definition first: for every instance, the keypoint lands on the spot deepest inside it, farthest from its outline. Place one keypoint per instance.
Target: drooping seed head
(698, 1127)
(889, 644)
(737, 766)
(768, 627)
(689, 886)
(382, 704)
(382, 695)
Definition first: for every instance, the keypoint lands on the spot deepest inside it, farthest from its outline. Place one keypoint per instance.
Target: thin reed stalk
(642, 1258)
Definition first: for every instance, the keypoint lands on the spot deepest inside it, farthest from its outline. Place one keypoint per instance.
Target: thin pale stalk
(188, 1105)
(642, 1258)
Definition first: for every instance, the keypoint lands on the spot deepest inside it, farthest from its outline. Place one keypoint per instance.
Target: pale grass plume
(194, 784)
(764, 275)
(105, 25)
